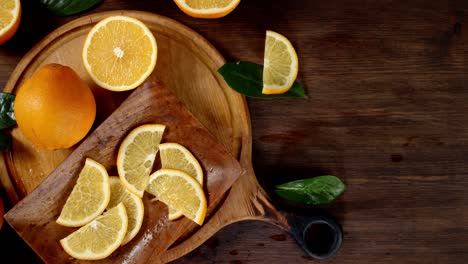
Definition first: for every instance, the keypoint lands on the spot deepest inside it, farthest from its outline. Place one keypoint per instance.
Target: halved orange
(120, 53)
(207, 8)
(10, 16)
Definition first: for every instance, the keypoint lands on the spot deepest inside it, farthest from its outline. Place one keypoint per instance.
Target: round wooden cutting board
(188, 65)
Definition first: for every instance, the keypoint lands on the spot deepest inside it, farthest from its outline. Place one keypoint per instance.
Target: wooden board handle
(317, 233)
(245, 201)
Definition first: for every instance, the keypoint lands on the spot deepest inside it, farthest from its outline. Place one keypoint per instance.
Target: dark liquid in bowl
(319, 238)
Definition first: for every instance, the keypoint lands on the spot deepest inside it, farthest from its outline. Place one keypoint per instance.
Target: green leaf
(5, 141)
(7, 115)
(246, 78)
(68, 7)
(316, 191)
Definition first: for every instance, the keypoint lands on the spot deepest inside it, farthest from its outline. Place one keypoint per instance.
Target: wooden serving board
(187, 64)
(34, 217)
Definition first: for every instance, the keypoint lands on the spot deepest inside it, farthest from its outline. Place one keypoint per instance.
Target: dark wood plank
(386, 111)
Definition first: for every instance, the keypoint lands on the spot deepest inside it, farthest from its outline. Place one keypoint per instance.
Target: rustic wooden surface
(385, 112)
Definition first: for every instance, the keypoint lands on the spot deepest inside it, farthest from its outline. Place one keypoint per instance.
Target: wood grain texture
(34, 217)
(188, 63)
(386, 84)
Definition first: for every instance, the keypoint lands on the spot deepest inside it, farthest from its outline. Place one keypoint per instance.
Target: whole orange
(55, 108)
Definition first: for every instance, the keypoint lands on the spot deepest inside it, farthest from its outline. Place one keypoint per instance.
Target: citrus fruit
(136, 157)
(89, 196)
(280, 64)
(99, 238)
(176, 156)
(133, 206)
(54, 108)
(179, 191)
(10, 16)
(207, 8)
(119, 53)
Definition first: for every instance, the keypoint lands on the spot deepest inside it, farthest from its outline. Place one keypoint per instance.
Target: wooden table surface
(386, 111)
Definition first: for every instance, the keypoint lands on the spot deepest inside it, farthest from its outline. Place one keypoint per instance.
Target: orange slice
(176, 156)
(101, 237)
(89, 196)
(136, 157)
(180, 192)
(133, 206)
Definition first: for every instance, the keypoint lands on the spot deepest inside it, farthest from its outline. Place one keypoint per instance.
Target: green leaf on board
(68, 7)
(316, 191)
(7, 115)
(246, 78)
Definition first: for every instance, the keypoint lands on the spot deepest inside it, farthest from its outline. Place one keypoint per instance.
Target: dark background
(386, 112)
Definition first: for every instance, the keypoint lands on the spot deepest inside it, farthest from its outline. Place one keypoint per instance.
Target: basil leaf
(68, 7)
(316, 191)
(7, 114)
(5, 141)
(246, 78)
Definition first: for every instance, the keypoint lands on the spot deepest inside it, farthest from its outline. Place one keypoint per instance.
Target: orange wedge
(280, 64)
